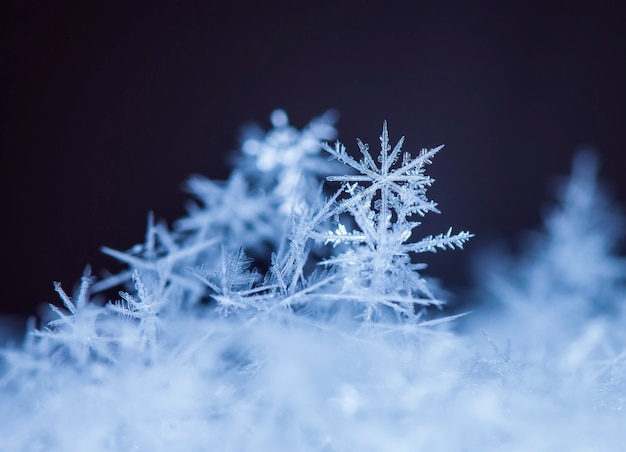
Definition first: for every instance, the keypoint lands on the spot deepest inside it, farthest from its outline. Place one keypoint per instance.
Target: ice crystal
(285, 161)
(271, 302)
(383, 199)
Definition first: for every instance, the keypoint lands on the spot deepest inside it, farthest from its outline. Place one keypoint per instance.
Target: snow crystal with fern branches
(288, 310)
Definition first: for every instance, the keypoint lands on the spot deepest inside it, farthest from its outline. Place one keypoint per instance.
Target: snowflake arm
(440, 241)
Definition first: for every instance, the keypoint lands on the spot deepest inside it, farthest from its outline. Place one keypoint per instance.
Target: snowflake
(285, 161)
(381, 199)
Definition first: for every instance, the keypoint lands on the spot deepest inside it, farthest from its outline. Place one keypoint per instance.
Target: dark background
(107, 108)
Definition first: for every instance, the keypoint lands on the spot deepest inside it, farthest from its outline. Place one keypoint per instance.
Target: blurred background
(108, 107)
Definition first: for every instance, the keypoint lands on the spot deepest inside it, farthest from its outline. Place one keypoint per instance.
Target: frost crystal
(570, 270)
(286, 162)
(201, 348)
(382, 199)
